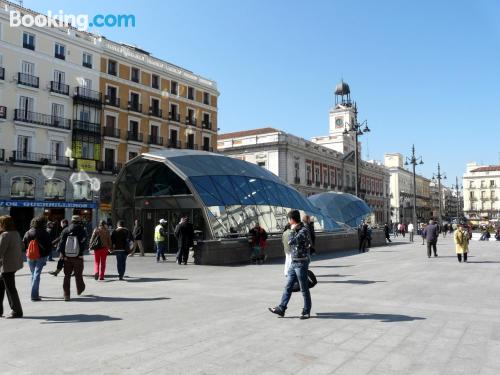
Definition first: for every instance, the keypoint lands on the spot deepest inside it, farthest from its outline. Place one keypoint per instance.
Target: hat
(163, 221)
(76, 218)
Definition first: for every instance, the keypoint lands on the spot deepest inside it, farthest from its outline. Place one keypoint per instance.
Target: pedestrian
(37, 237)
(52, 231)
(258, 242)
(71, 247)
(395, 229)
(422, 227)
(431, 234)
(11, 261)
(160, 237)
(309, 223)
(445, 229)
(386, 232)
(100, 242)
(461, 238)
(121, 240)
(497, 234)
(403, 229)
(363, 236)
(60, 262)
(286, 248)
(184, 232)
(411, 231)
(300, 243)
(137, 235)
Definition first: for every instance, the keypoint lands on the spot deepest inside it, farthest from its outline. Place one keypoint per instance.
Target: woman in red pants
(100, 242)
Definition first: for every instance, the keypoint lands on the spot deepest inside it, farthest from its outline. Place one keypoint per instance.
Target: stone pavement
(389, 311)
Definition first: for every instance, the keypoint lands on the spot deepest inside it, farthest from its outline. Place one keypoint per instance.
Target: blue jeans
(160, 250)
(297, 272)
(121, 262)
(36, 267)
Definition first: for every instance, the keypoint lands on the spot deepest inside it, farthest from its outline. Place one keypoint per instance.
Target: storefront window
(22, 187)
(54, 189)
(82, 190)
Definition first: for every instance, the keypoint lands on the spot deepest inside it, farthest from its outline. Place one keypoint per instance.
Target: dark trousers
(121, 262)
(8, 284)
(183, 255)
(362, 244)
(434, 248)
(60, 263)
(388, 237)
(459, 256)
(73, 265)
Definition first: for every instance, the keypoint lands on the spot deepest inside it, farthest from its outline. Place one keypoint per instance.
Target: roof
(490, 168)
(341, 207)
(247, 133)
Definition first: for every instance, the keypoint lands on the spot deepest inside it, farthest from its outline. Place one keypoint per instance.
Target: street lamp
(358, 129)
(413, 160)
(439, 177)
(457, 189)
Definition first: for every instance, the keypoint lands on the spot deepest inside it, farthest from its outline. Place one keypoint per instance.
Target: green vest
(158, 235)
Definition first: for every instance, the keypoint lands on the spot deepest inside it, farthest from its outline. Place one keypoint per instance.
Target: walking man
(137, 234)
(120, 239)
(431, 234)
(363, 236)
(300, 243)
(71, 247)
(184, 232)
(386, 232)
(411, 231)
(60, 262)
(161, 240)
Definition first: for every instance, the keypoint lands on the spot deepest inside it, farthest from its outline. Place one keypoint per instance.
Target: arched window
(54, 188)
(22, 187)
(82, 190)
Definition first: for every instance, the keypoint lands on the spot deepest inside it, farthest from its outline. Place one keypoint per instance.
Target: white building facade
(481, 187)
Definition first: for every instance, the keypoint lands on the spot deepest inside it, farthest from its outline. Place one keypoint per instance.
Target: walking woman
(11, 260)
(100, 242)
(37, 233)
(461, 243)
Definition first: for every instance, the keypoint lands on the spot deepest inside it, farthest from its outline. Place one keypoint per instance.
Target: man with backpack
(71, 247)
(121, 240)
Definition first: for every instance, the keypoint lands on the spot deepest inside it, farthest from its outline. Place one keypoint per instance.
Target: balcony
(134, 106)
(111, 132)
(190, 121)
(60, 56)
(2, 73)
(134, 136)
(44, 159)
(108, 166)
(30, 46)
(174, 117)
(59, 88)
(155, 85)
(155, 140)
(156, 112)
(192, 146)
(174, 143)
(27, 80)
(87, 64)
(86, 126)
(87, 95)
(112, 101)
(296, 180)
(112, 71)
(3, 112)
(41, 119)
(206, 124)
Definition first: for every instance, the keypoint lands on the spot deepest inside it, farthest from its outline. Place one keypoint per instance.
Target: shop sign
(45, 204)
(86, 165)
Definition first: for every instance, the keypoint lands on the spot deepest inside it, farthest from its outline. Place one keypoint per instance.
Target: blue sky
(423, 72)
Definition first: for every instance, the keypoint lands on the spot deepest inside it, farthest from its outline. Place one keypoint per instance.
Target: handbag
(311, 278)
(97, 243)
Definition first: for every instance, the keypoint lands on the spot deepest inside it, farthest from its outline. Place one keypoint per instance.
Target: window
(87, 150)
(25, 105)
(87, 60)
(134, 126)
(112, 67)
(87, 83)
(29, 41)
(206, 120)
(483, 184)
(57, 150)
(110, 122)
(206, 98)
(23, 146)
(191, 93)
(297, 170)
(190, 120)
(471, 195)
(109, 158)
(132, 155)
(492, 183)
(174, 88)
(60, 51)
(471, 184)
(155, 81)
(492, 194)
(134, 74)
(206, 143)
(59, 77)
(22, 187)
(261, 164)
(154, 131)
(54, 189)
(57, 113)
(28, 68)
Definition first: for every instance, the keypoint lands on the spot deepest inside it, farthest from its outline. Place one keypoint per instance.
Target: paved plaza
(389, 311)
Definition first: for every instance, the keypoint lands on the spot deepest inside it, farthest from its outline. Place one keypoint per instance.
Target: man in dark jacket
(73, 264)
(60, 262)
(120, 239)
(386, 232)
(363, 236)
(310, 225)
(37, 232)
(431, 234)
(300, 243)
(184, 232)
(137, 234)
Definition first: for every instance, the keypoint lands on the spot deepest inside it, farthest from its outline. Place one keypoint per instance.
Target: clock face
(339, 122)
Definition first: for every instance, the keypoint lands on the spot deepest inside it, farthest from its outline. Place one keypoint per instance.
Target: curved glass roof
(341, 207)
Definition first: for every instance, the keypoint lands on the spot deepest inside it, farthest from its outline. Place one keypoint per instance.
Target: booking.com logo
(80, 21)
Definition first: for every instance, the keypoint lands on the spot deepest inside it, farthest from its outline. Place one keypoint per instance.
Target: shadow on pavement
(130, 279)
(482, 261)
(333, 275)
(349, 265)
(76, 318)
(93, 298)
(385, 318)
(356, 282)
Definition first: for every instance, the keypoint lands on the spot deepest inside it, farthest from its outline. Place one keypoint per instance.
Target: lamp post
(457, 189)
(414, 160)
(439, 177)
(358, 130)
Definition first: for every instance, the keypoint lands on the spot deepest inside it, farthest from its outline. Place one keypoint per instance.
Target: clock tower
(341, 115)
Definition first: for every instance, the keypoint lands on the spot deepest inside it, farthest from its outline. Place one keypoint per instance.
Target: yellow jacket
(461, 238)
